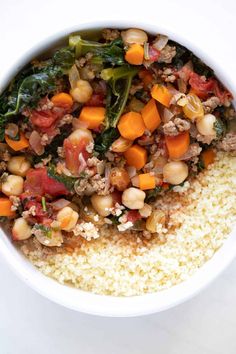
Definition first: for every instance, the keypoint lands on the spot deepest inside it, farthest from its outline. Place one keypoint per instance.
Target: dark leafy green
(47, 231)
(152, 194)
(66, 180)
(219, 127)
(183, 55)
(33, 83)
(119, 82)
(104, 140)
(109, 53)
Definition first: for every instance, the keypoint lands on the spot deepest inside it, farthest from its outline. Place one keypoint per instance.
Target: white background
(30, 324)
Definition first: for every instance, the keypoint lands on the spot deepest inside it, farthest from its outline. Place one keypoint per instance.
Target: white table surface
(30, 324)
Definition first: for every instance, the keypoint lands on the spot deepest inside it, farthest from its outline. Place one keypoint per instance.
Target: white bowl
(108, 305)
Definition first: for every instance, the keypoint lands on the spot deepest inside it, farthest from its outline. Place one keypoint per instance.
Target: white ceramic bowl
(108, 305)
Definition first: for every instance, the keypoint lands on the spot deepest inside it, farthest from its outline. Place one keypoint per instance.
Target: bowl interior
(109, 305)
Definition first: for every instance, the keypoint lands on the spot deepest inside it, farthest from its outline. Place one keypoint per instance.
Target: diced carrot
(5, 207)
(161, 94)
(131, 125)
(177, 145)
(92, 116)
(146, 77)
(146, 181)
(63, 100)
(135, 54)
(136, 156)
(17, 144)
(151, 115)
(208, 157)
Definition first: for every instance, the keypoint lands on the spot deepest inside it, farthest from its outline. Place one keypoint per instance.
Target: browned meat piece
(182, 124)
(170, 129)
(168, 75)
(110, 34)
(205, 139)
(211, 104)
(176, 126)
(228, 143)
(167, 54)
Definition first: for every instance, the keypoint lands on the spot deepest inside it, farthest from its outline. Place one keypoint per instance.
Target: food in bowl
(117, 162)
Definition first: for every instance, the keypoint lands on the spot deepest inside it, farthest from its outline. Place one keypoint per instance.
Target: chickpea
(67, 218)
(13, 185)
(133, 198)
(102, 204)
(80, 134)
(82, 92)
(134, 35)
(18, 165)
(157, 217)
(175, 172)
(55, 239)
(205, 125)
(21, 230)
(119, 178)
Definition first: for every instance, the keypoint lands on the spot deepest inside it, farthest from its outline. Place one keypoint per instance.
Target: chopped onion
(131, 171)
(134, 35)
(135, 181)
(35, 143)
(74, 76)
(146, 51)
(167, 115)
(60, 203)
(83, 163)
(107, 177)
(160, 42)
(11, 130)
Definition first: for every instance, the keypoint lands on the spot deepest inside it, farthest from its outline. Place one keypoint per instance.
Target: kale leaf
(104, 140)
(183, 55)
(219, 127)
(32, 83)
(152, 194)
(110, 53)
(119, 82)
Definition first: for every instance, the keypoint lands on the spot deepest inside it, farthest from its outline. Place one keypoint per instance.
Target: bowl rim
(104, 305)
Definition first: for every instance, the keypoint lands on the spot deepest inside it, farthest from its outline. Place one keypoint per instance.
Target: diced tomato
(76, 156)
(223, 94)
(153, 53)
(43, 119)
(201, 87)
(46, 120)
(40, 216)
(96, 100)
(133, 216)
(38, 182)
